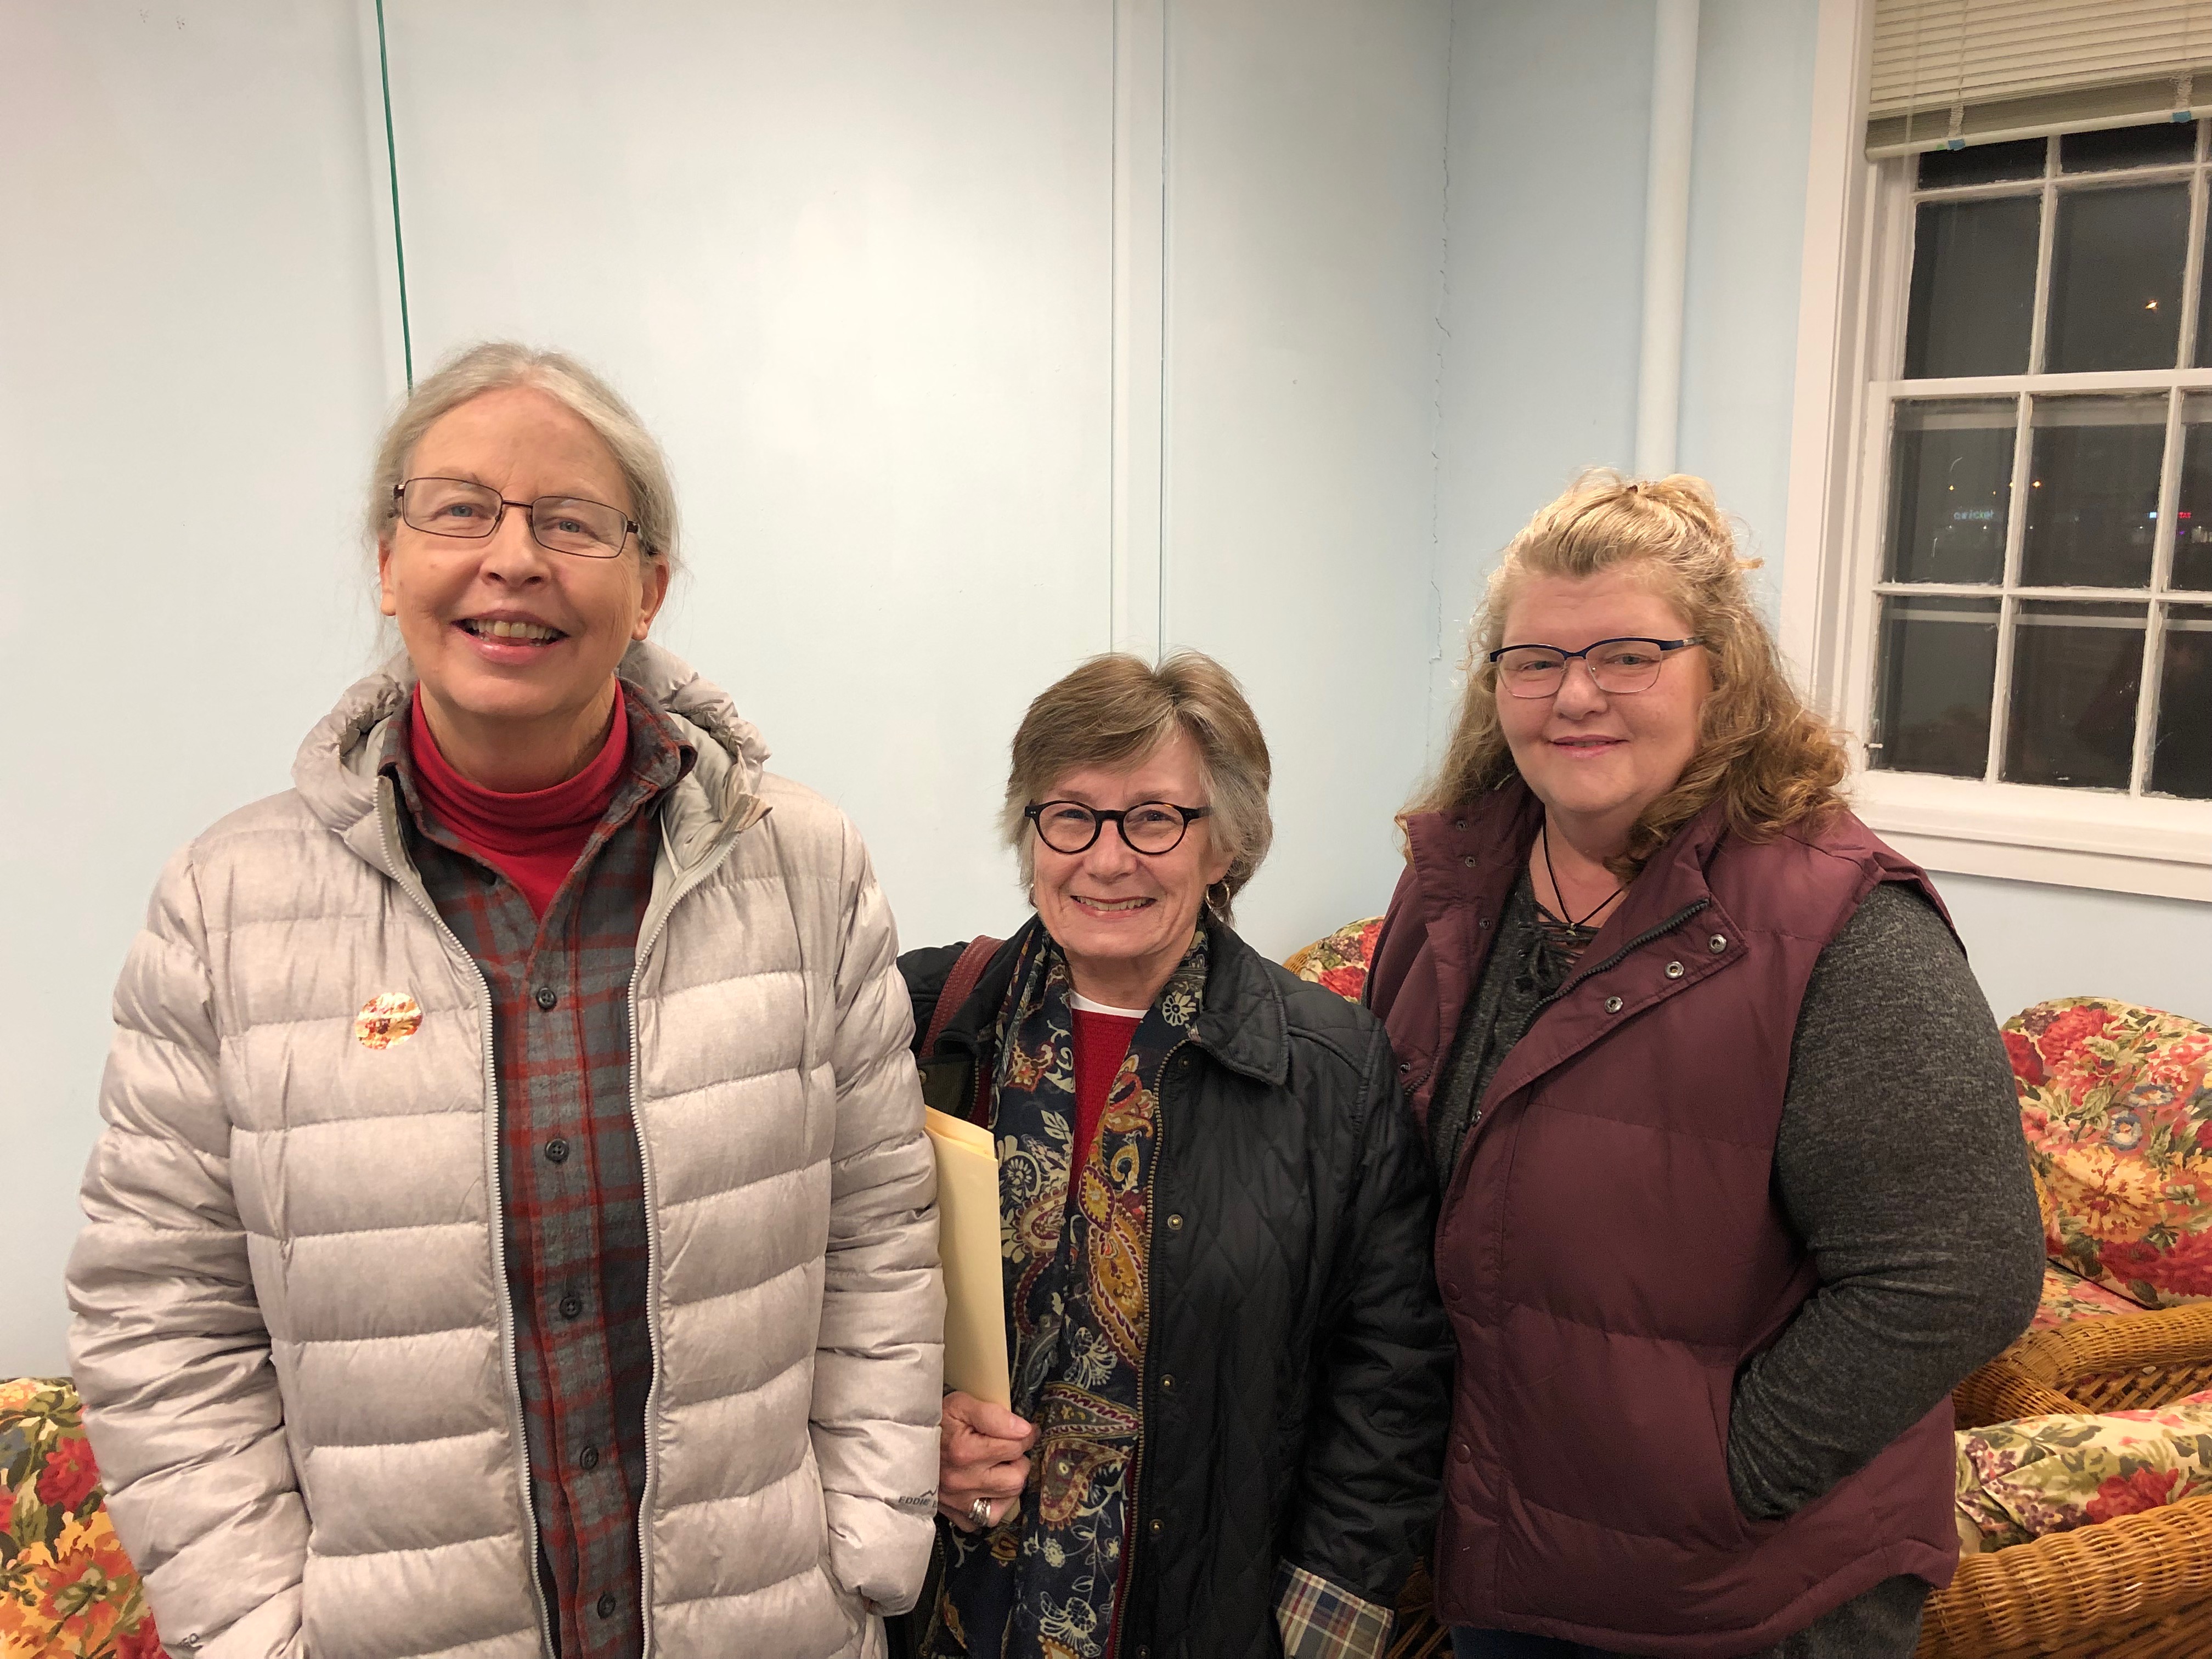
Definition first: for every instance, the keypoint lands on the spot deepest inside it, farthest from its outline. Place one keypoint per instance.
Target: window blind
(1947, 72)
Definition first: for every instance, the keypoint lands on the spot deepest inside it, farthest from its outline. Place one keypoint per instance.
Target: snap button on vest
(1716, 944)
(1468, 860)
(1673, 970)
(1613, 1004)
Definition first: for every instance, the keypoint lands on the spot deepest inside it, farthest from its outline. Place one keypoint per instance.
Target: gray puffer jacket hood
(292, 1335)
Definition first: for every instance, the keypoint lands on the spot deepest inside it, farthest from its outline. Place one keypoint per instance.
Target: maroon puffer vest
(1610, 1249)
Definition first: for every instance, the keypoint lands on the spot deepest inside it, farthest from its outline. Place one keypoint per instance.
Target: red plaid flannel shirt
(573, 1188)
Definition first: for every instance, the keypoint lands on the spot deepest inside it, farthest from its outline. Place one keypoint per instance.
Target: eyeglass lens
(454, 507)
(1622, 666)
(1067, 827)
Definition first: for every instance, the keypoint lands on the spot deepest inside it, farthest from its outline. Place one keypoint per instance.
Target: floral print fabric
(2068, 1297)
(2020, 1480)
(2114, 1101)
(1043, 1584)
(66, 1587)
(1339, 962)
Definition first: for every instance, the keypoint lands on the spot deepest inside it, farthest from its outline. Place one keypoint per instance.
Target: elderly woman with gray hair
(1229, 1361)
(513, 1232)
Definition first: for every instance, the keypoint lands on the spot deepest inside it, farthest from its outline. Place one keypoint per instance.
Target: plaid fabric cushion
(573, 1209)
(1321, 1621)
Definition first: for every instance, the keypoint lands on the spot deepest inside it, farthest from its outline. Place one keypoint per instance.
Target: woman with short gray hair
(514, 1233)
(1227, 1355)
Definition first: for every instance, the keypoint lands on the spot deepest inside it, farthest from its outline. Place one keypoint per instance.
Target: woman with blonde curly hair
(1734, 1186)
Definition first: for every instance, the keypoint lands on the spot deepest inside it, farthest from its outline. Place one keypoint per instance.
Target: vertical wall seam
(392, 166)
(1441, 335)
(1666, 236)
(1160, 550)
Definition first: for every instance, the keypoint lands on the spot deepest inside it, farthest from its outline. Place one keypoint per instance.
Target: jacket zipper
(387, 822)
(1128, 1576)
(706, 867)
(1466, 1142)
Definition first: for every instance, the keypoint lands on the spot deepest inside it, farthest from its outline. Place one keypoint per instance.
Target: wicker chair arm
(2071, 1587)
(2001, 1391)
(2084, 1348)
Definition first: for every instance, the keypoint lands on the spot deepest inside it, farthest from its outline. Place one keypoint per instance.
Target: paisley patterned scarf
(1044, 1583)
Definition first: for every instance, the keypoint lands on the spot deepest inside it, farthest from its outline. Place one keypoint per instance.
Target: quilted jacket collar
(1244, 1024)
(339, 768)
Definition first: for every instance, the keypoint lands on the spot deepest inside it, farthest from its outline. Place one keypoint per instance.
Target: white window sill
(2067, 837)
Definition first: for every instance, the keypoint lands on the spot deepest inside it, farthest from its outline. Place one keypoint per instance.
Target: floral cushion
(66, 1587)
(1339, 963)
(2020, 1480)
(2119, 1118)
(2068, 1297)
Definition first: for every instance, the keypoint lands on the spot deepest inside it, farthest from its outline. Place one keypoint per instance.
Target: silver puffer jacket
(292, 1337)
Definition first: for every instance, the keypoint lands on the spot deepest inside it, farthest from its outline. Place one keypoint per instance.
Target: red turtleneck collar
(533, 839)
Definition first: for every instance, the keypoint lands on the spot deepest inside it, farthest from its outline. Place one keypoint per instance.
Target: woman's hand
(982, 1454)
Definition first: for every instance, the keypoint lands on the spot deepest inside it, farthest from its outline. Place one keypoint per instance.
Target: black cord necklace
(1572, 925)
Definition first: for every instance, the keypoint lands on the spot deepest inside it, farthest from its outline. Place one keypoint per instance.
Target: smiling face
(1125, 918)
(1597, 760)
(516, 645)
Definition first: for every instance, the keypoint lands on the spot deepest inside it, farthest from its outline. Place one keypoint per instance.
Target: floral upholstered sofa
(66, 1590)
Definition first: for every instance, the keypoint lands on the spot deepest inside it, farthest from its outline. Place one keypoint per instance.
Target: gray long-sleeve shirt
(1899, 1163)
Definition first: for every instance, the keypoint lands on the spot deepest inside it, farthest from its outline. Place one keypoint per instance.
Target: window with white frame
(2014, 612)
(2043, 594)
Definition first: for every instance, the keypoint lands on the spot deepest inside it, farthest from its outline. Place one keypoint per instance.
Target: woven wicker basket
(2137, 1588)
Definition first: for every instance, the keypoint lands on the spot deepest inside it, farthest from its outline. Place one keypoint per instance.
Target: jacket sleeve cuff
(1321, 1620)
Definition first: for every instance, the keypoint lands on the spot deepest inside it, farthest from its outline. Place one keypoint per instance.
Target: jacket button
(556, 1151)
(1167, 1381)
(1451, 1292)
(1459, 824)
(1175, 1224)
(1673, 970)
(606, 1604)
(571, 1306)
(1157, 1526)
(1464, 1452)
(546, 998)
(590, 1459)
(1468, 860)
(1716, 944)
(1613, 1004)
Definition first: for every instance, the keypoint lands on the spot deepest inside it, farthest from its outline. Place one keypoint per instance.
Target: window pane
(2164, 144)
(2116, 258)
(2181, 751)
(1950, 482)
(1973, 288)
(1939, 663)
(2192, 543)
(2076, 669)
(2092, 492)
(1982, 164)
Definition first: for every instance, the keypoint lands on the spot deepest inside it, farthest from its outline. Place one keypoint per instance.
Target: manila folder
(968, 1243)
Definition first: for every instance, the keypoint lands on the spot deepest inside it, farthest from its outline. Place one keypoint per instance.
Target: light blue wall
(1551, 100)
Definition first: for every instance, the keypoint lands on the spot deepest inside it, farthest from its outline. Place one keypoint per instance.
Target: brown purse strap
(959, 985)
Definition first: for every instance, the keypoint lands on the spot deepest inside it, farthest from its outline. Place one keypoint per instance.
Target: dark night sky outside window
(2040, 622)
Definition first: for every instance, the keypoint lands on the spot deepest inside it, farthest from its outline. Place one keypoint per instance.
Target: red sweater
(535, 838)
(1102, 1043)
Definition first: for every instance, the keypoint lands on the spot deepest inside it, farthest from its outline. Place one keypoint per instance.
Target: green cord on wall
(391, 159)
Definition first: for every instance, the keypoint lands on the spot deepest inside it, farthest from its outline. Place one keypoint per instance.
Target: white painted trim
(2065, 837)
(1137, 437)
(1831, 301)
(1666, 236)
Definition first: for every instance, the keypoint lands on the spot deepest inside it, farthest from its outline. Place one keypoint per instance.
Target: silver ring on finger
(979, 1511)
